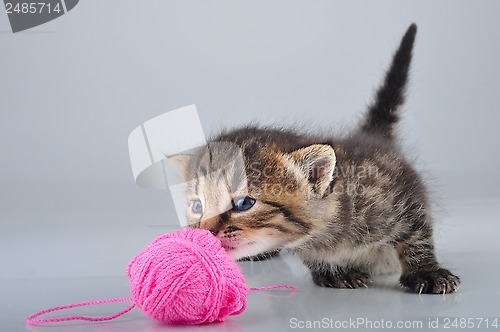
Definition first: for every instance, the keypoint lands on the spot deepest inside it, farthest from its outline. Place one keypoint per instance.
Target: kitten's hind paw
(440, 281)
(350, 279)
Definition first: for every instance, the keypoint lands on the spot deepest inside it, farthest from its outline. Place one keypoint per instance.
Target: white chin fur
(248, 250)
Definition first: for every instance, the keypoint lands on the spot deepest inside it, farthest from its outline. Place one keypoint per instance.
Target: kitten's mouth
(237, 249)
(228, 248)
(229, 244)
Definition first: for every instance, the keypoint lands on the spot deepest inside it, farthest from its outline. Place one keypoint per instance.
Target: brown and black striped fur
(351, 207)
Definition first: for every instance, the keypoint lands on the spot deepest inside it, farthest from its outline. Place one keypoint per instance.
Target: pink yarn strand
(32, 320)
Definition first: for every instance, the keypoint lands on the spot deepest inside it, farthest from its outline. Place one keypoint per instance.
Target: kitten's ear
(317, 164)
(180, 163)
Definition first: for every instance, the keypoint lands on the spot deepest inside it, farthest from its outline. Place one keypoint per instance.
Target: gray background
(73, 89)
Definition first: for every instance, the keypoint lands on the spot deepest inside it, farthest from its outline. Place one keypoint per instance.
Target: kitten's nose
(211, 224)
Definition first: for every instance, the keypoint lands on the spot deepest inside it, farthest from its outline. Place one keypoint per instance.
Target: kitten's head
(255, 199)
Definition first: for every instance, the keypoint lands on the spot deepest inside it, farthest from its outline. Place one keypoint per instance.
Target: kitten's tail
(383, 113)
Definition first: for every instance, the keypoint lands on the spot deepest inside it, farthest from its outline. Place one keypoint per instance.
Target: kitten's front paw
(350, 279)
(441, 281)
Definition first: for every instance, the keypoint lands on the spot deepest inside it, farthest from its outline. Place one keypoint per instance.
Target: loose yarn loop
(184, 277)
(32, 320)
(187, 278)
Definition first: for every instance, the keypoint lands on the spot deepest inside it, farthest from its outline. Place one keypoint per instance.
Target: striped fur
(351, 207)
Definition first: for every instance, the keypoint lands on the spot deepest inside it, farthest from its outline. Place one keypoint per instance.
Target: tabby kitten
(350, 207)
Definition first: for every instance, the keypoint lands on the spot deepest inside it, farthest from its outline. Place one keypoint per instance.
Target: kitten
(350, 207)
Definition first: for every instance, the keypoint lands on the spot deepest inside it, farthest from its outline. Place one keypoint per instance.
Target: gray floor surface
(73, 245)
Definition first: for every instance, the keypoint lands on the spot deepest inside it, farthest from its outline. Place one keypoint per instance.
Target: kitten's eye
(196, 206)
(243, 204)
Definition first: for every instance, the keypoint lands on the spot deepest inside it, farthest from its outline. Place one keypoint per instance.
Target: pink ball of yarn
(187, 277)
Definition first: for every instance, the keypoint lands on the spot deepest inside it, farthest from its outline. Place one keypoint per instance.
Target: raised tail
(383, 113)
